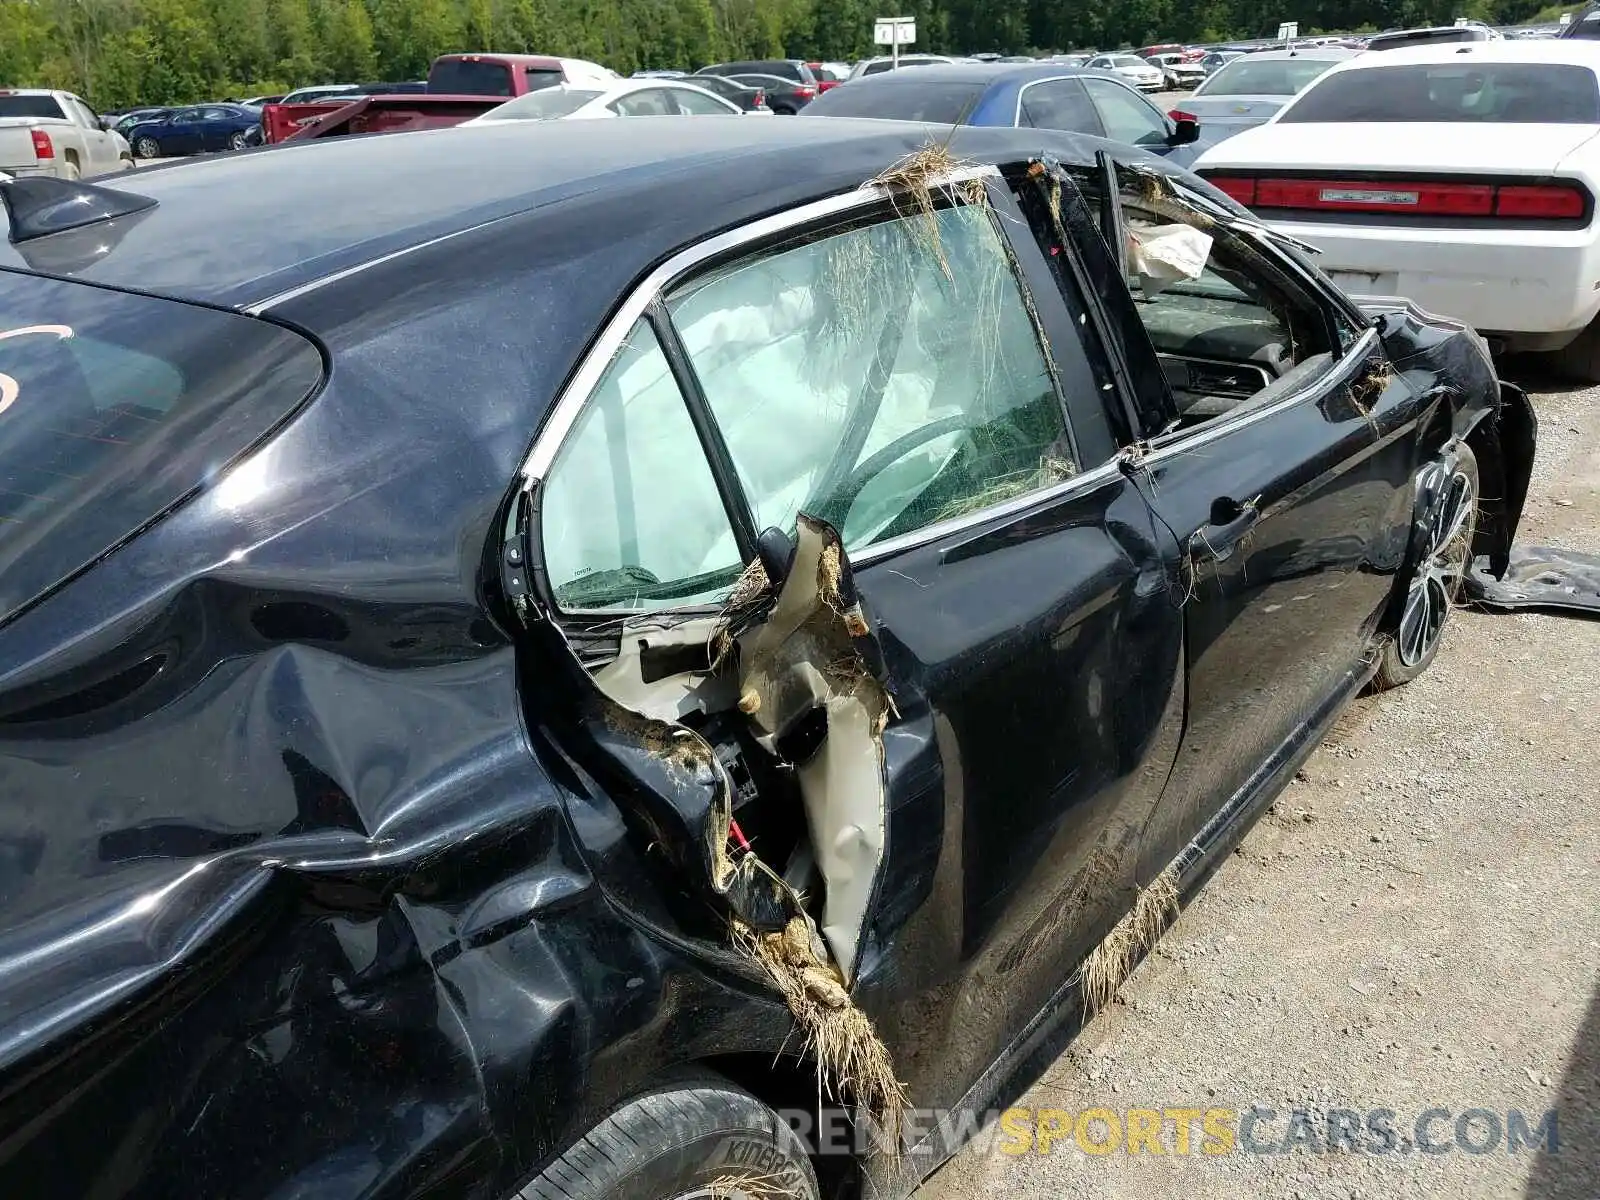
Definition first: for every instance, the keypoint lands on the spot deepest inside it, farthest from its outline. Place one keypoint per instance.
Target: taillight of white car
(1560, 200)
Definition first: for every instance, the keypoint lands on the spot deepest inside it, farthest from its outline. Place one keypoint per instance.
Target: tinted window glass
(1423, 37)
(883, 378)
(543, 106)
(1489, 92)
(1059, 104)
(113, 408)
(941, 103)
(793, 72)
(458, 77)
(1126, 117)
(631, 515)
(1268, 77)
(30, 106)
(1587, 26)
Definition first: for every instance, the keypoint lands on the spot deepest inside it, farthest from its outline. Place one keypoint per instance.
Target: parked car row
(198, 129)
(1078, 99)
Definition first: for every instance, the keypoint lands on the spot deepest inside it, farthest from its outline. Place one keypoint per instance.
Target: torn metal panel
(803, 668)
(663, 669)
(1539, 577)
(684, 798)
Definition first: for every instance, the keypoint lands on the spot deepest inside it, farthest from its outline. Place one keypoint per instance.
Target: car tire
(238, 141)
(698, 1137)
(784, 111)
(1444, 540)
(147, 147)
(70, 169)
(1579, 359)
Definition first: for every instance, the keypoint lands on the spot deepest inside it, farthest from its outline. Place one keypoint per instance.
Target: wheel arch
(1427, 479)
(1503, 440)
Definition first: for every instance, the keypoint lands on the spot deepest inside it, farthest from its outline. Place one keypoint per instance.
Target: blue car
(195, 130)
(1045, 97)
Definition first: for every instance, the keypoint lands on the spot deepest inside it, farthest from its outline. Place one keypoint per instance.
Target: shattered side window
(631, 516)
(1228, 324)
(883, 378)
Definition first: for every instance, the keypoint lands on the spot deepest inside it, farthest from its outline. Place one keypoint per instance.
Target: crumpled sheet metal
(1539, 577)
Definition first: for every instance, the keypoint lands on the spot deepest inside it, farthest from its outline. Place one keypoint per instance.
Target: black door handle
(1230, 523)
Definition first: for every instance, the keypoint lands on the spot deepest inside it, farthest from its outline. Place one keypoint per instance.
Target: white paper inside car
(1161, 255)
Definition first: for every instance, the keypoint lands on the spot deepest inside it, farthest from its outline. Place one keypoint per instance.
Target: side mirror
(1184, 133)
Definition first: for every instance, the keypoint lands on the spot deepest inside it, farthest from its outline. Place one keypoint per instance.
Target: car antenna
(960, 120)
(41, 205)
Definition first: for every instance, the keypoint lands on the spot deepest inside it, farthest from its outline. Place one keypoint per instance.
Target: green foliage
(1550, 14)
(124, 52)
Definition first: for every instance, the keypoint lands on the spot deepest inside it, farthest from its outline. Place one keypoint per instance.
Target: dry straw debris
(1109, 964)
(851, 1058)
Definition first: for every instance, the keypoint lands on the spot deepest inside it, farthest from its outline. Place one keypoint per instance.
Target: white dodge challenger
(1462, 176)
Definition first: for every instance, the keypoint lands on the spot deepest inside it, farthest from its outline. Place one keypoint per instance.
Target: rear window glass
(461, 77)
(941, 103)
(115, 407)
(1422, 37)
(543, 106)
(30, 106)
(1269, 77)
(1529, 93)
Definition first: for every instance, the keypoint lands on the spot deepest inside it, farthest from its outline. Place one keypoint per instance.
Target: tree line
(119, 53)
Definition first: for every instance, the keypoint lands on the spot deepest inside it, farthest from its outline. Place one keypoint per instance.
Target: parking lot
(1411, 926)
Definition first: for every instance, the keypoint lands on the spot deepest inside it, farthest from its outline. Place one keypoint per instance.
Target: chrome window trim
(1083, 481)
(1170, 445)
(576, 393)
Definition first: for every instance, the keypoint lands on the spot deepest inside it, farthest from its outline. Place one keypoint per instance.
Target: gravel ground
(1411, 926)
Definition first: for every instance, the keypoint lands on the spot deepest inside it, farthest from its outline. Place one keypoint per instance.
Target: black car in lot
(791, 69)
(744, 95)
(783, 96)
(476, 673)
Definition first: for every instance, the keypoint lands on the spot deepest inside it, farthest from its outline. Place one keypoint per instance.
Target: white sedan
(1461, 176)
(1131, 69)
(612, 98)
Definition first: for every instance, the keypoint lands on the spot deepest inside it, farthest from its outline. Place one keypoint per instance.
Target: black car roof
(241, 228)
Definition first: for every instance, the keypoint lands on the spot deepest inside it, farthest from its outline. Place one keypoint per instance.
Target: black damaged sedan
(603, 646)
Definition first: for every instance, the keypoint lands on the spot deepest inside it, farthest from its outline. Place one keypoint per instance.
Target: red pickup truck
(460, 87)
